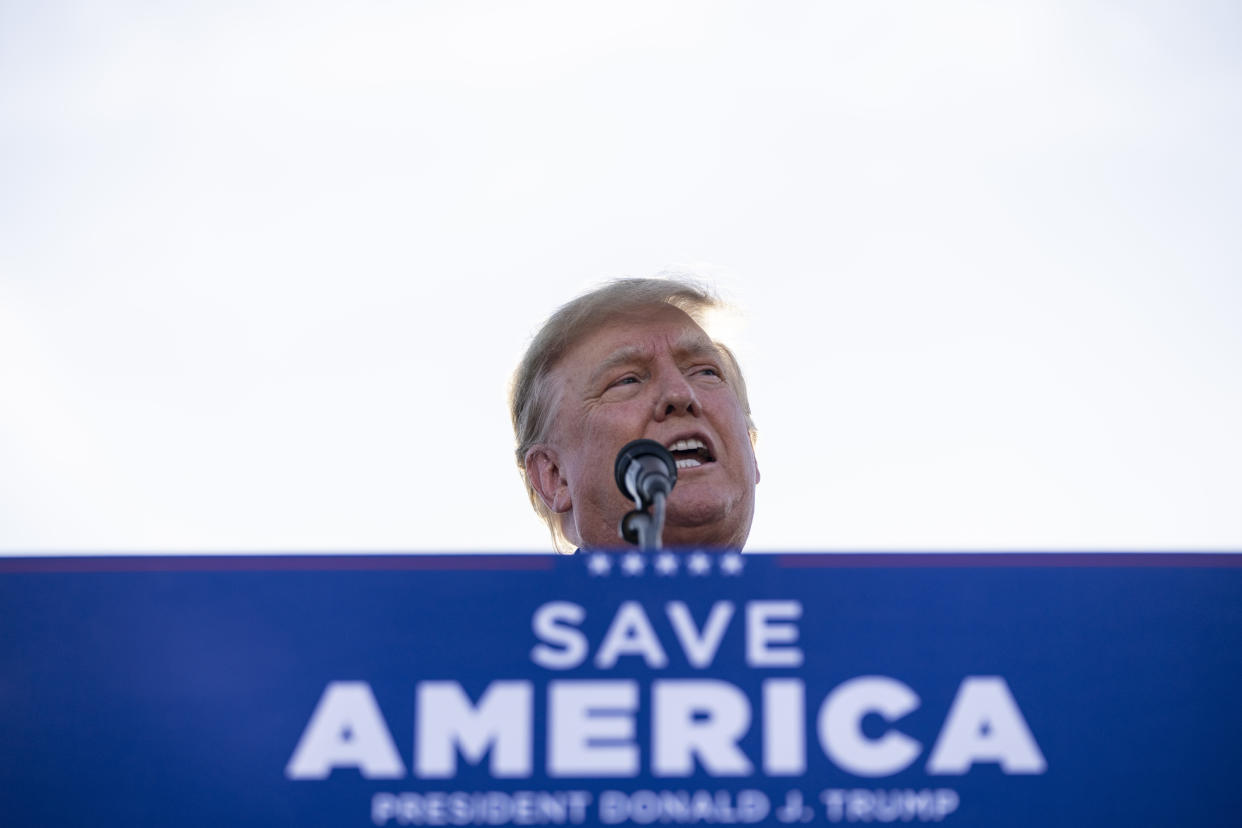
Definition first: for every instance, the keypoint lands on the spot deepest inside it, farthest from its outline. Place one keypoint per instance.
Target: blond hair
(531, 398)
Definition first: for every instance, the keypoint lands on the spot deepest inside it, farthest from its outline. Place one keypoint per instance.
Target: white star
(699, 564)
(666, 563)
(632, 563)
(731, 564)
(598, 564)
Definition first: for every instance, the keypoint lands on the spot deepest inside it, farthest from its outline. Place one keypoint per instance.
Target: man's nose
(676, 397)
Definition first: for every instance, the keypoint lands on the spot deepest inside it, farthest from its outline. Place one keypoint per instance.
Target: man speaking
(627, 361)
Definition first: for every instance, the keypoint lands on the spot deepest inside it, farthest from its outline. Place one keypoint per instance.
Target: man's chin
(706, 525)
(712, 536)
(691, 509)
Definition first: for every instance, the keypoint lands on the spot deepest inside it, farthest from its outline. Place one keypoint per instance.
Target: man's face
(652, 374)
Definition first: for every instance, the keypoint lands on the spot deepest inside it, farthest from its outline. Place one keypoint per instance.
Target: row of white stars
(664, 563)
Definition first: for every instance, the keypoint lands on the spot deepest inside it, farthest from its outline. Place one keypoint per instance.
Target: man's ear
(754, 456)
(543, 470)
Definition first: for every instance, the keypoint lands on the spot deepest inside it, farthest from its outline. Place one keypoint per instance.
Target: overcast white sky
(265, 268)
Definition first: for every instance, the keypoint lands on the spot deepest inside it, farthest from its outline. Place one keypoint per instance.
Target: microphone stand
(643, 529)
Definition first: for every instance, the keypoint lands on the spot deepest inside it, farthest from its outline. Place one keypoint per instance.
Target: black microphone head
(639, 450)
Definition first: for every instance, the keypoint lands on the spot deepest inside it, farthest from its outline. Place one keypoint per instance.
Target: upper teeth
(687, 445)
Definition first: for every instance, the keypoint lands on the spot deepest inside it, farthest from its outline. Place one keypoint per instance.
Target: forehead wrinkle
(689, 344)
(695, 344)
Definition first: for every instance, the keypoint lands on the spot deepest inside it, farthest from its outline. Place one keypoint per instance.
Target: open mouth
(690, 452)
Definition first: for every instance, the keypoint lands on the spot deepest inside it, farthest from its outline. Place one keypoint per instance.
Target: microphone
(644, 468)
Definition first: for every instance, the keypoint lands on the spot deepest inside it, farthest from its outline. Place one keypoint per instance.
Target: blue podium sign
(622, 689)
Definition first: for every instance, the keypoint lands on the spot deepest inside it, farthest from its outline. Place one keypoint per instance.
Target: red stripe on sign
(916, 560)
(275, 563)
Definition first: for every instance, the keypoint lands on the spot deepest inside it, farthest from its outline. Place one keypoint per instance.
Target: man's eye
(625, 381)
(708, 372)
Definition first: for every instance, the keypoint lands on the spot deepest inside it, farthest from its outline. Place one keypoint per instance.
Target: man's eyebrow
(619, 357)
